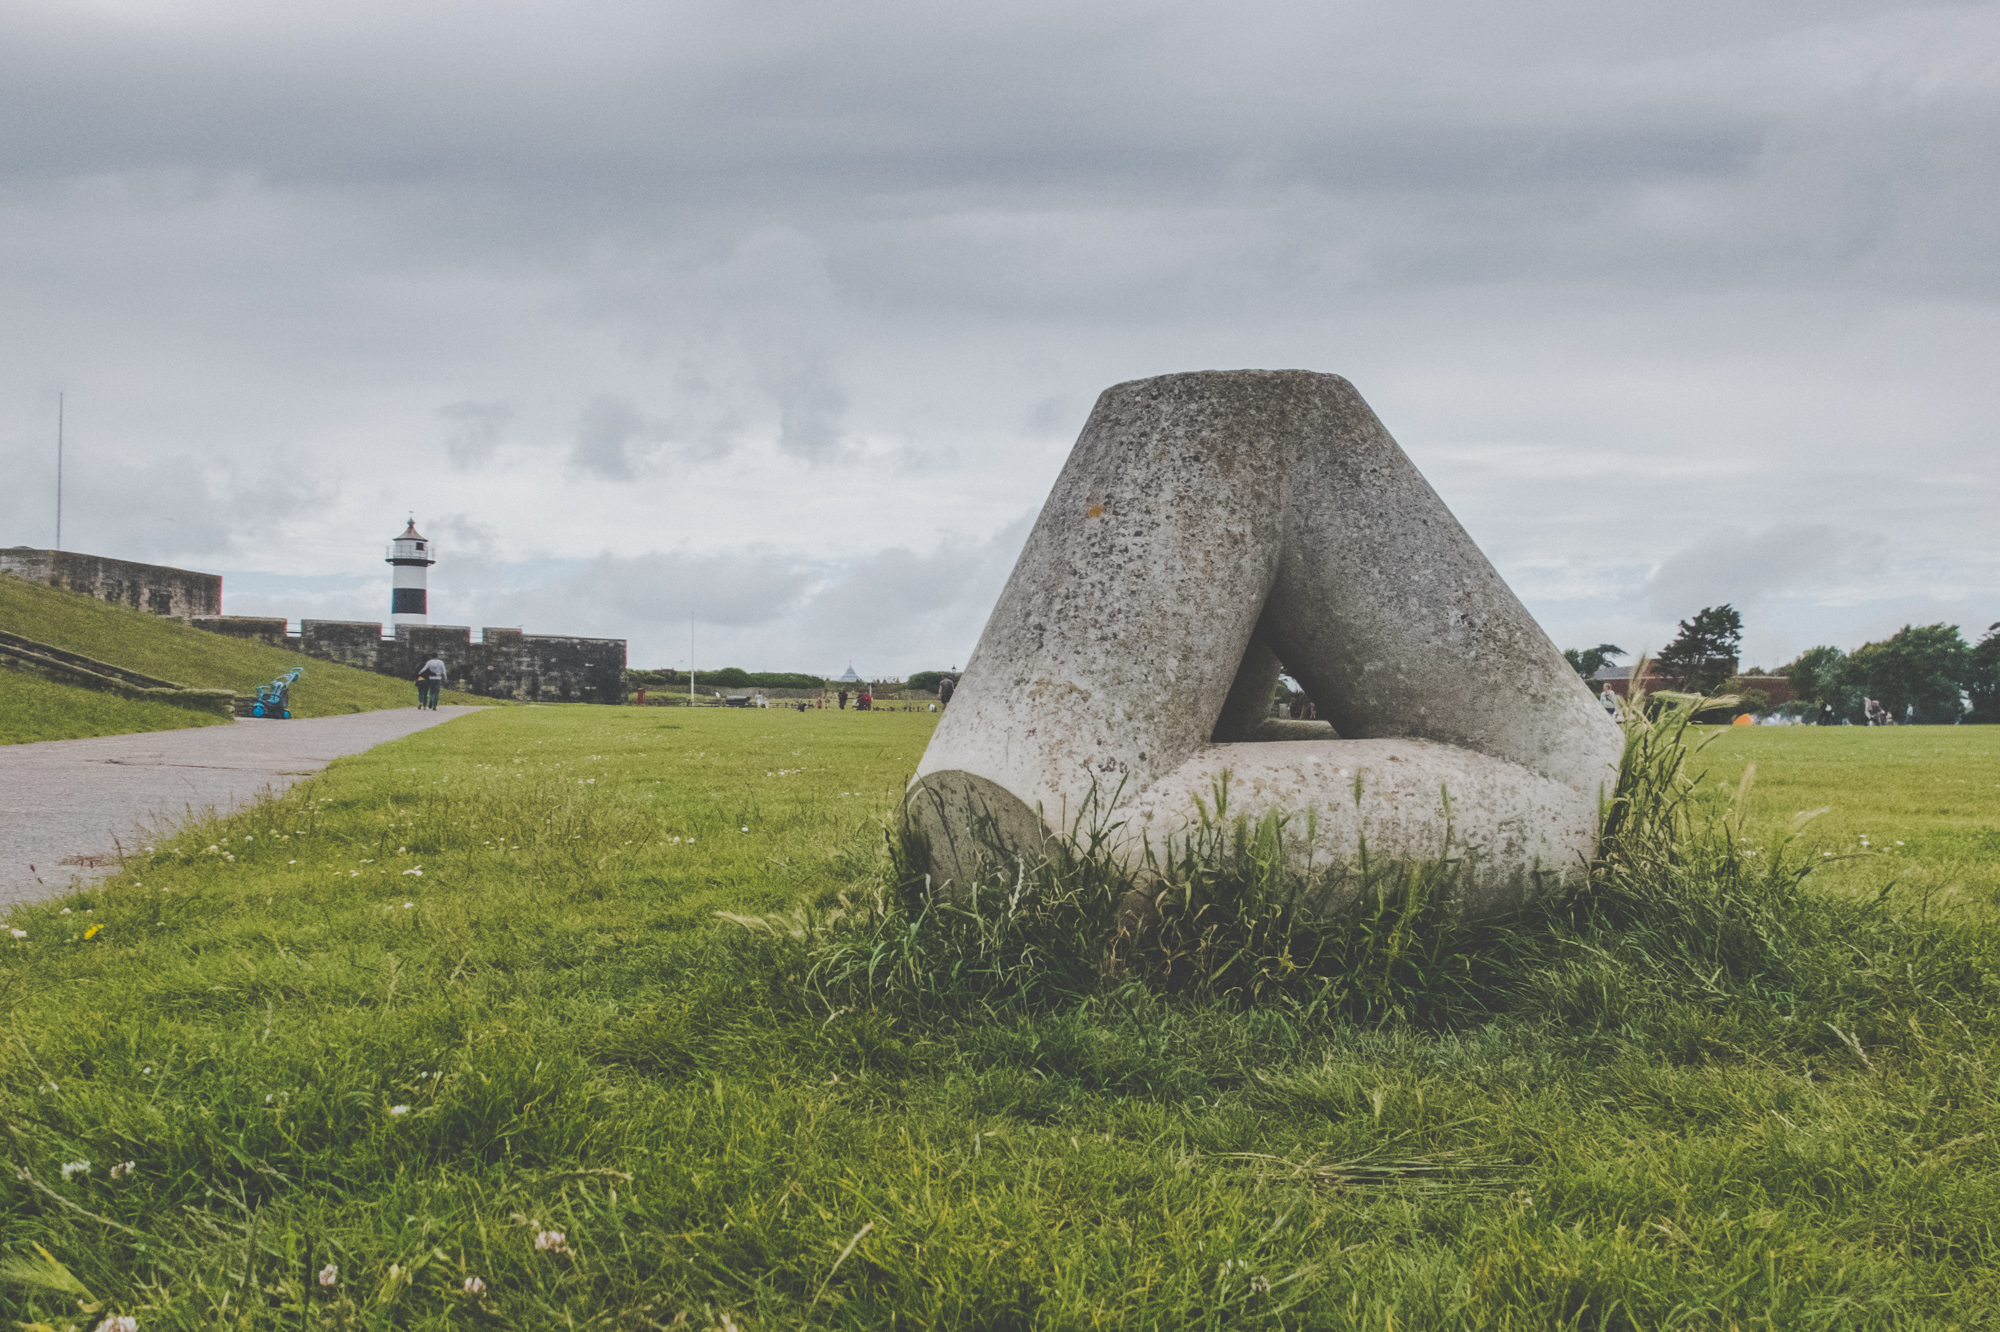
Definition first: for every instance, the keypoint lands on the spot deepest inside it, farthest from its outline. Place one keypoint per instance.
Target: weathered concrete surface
(82, 799)
(1207, 527)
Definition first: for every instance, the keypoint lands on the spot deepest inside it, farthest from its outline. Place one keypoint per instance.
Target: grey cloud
(895, 611)
(732, 588)
(810, 408)
(476, 428)
(1750, 569)
(616, 440)
(608, 435)
(151, 507)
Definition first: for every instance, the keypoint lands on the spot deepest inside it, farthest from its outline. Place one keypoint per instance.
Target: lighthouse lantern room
(412, 555)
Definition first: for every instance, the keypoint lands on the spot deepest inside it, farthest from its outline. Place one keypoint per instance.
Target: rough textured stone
(155, 588)
(1206, 528)
(505, 663)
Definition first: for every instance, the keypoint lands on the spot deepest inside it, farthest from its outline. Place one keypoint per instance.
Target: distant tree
(783, 680)
(725, 677)
(1982, 677)
(1704, 653)
(1753, 701)
(926, 682)
(1815, 677)
(1587, 661)
(1922, 666)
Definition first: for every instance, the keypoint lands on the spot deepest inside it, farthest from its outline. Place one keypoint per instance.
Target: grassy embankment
(32, 708)
(545, 1065)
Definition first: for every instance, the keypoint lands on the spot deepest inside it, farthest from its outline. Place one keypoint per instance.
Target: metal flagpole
(59, 453)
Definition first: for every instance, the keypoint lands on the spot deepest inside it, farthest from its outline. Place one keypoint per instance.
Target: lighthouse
(412, 556)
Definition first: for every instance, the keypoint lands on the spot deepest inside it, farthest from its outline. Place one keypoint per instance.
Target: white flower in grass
(65, 911)
(474, 1286)
(119, 1323)
(1260, 1285)
(71, 1168)
(18, 934)
(329, 1275)
(398, 1111)
(418, 871)
(123, 1170)
(552, 1241)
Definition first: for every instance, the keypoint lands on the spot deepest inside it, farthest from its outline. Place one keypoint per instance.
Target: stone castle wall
(262, 629)
(505, 663)
(349, 642)
(154, 588)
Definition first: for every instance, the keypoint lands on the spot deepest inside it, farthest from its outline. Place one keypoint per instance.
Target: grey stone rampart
(349, 642)
(504, 663)
(157, 589)
(550, 668)
(260, 628)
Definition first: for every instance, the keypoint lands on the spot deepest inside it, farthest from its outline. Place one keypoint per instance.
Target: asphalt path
(68, 806)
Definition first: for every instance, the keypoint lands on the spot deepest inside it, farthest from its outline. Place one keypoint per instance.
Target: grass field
(168, 650)
(542, 1083)
(1916, 806)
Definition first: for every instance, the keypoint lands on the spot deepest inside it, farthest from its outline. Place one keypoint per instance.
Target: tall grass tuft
(1221, 913)
(1679, 918)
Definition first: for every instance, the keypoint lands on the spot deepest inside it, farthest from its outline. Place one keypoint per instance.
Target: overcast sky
(779, 318)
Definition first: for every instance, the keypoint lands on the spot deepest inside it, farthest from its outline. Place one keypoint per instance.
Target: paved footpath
(66, 806)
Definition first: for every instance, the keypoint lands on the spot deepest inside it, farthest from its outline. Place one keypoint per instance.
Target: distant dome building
(412, 555)
(850, 677)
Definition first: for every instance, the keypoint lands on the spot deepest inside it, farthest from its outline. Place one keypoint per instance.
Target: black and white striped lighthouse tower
(412, 557)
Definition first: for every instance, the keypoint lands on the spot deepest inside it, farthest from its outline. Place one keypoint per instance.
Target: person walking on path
(946, 688)
(430, 679)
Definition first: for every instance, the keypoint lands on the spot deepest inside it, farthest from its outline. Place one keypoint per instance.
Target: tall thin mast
(59, 453)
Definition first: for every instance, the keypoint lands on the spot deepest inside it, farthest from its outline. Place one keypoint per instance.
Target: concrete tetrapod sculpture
(1207, 528)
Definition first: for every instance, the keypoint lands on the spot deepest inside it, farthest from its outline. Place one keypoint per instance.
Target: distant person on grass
(946, 688)
(430, 679)
(843, 700)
